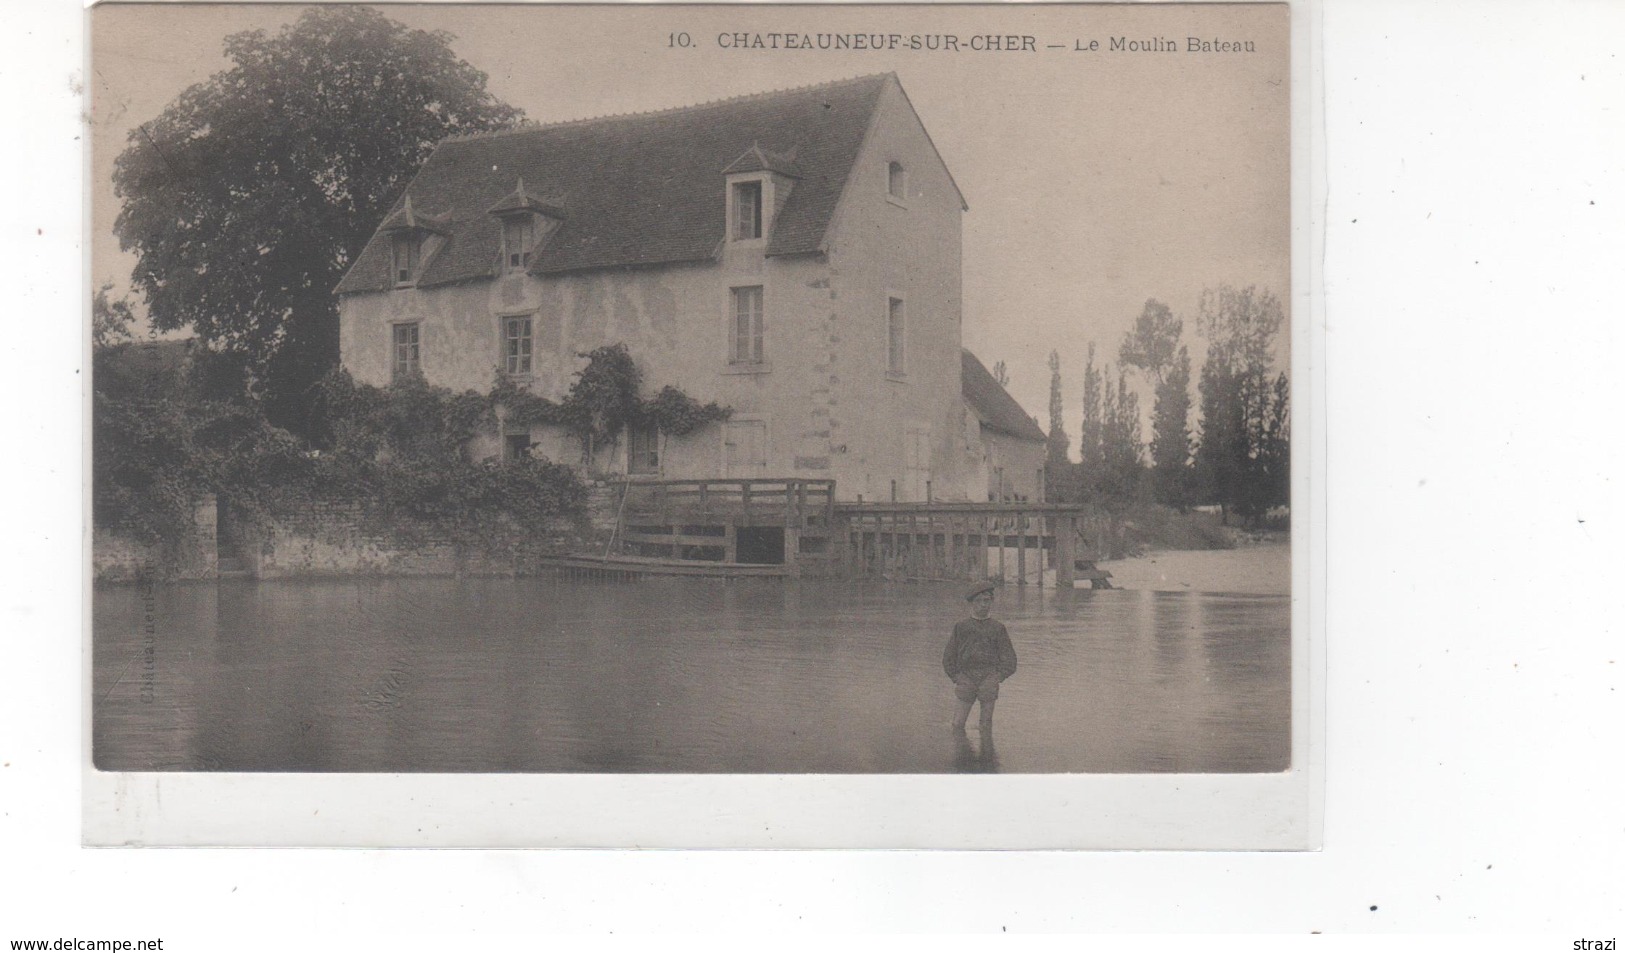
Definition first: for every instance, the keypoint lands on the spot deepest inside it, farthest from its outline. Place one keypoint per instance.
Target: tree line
(1233, 453)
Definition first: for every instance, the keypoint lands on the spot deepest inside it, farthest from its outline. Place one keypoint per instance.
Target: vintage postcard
(759, 425)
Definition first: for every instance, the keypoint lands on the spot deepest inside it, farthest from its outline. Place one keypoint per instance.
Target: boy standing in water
(978, 657)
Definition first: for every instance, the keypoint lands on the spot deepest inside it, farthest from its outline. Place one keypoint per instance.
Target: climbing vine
(603, 400)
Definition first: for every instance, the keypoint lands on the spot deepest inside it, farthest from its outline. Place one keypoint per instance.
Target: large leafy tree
(1152, 346)
(250, 195)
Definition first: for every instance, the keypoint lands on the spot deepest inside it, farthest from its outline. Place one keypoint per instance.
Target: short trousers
(976, 686)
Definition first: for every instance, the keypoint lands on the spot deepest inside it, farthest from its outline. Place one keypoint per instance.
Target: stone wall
(118, 558)
(341, 539)
(332, 539)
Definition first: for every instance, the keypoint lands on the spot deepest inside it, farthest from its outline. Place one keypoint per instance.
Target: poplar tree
(1056, 460)
(1153, 347)
(1171, 434)
(1243, 445)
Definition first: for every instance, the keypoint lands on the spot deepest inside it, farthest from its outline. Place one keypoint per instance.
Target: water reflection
(975, 760)
(679, 676)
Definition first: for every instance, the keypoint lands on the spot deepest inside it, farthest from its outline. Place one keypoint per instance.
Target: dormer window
(518, 242)
(408, 252)
(896, 182)
(747, 212)
(527, 220)
(758, 184)
(413, 240)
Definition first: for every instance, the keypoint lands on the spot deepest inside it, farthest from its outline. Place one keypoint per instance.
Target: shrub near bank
(403, 450)
(173, 426)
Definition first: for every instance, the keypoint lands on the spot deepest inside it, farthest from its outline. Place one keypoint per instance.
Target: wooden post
(998, 521)
(950, 567)
(1066, 528)
(1021, 549)
(1043, 533)
(744, 500)
(705, 500)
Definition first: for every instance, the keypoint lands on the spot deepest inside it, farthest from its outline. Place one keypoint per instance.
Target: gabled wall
(879, 249)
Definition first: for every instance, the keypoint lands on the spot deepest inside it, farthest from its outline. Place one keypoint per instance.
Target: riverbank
(1262, 568)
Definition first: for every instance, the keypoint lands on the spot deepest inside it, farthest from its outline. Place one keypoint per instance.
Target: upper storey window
(896, 182)
(518, 242)
(758, 182)
(747, 210)
(408, 254)
(527, 221)
(413, 239)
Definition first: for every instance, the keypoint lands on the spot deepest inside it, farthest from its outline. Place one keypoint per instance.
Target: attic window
(896, 181)
(518, 242)
(407, 252)
(747, 210)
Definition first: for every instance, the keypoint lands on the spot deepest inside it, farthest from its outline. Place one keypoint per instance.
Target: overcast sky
(1094, 180)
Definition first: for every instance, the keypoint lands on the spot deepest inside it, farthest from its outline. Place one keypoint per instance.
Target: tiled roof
(755, 160)
(523, 200)
(635, 190)
(992, 403)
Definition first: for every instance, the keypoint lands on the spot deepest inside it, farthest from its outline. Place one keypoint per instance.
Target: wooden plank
(658, 566)
(673, 539)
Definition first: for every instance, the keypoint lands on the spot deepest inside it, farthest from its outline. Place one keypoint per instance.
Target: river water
(678, 675)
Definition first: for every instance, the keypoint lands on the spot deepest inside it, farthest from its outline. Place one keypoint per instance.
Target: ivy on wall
(604, 400)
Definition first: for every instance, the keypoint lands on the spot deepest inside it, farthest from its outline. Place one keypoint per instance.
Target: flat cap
(976, 589)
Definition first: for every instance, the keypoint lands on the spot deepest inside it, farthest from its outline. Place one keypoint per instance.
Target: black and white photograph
(694, 391)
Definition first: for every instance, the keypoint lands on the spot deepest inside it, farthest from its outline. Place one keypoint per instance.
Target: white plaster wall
(880, 249)
(675, 320)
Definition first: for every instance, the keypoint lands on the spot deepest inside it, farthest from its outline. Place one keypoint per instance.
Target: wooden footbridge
(795, 527)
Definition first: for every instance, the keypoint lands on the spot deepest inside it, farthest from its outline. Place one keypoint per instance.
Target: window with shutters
(896, 337)
(747, 211)
(406, 351)
(516, 345)
(518, 242)
(745, 330)
(407, 248)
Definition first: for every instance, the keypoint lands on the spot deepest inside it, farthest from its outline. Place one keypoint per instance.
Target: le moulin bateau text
(966, 43)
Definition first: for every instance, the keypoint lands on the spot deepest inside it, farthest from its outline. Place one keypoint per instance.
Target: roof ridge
(529, 127)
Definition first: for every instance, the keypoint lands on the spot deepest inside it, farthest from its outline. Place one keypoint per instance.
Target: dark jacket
(979, 645)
